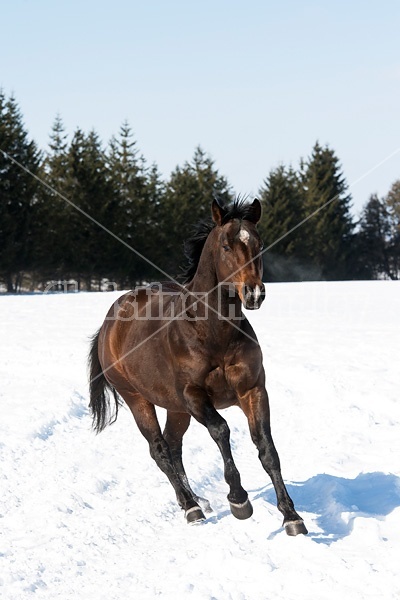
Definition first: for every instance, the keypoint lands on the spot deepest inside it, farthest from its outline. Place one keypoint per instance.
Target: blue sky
(254, 83)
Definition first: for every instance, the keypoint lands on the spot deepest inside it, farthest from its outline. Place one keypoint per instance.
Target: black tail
(99, 391)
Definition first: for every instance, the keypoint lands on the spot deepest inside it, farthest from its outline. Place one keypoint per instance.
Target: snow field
(85, 516)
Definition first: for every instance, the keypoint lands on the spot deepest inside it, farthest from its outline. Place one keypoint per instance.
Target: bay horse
(190, 350)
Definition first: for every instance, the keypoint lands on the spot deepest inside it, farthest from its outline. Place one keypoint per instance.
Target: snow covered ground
(91, 517)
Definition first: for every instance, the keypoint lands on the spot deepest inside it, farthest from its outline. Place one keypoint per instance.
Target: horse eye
(226, 248)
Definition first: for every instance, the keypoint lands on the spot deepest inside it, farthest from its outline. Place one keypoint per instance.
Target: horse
(188, 348)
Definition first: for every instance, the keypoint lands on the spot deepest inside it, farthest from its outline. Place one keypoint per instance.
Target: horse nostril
(247, 292)
(259, 293)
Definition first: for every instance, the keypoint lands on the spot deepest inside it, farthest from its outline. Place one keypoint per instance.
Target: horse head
(238, 252)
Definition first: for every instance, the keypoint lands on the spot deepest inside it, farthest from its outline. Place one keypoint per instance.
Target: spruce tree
(374, 240)
(128, 213)
(282, 199)
(392, 202)
(91, 191)
(53, 209)
(189, 193)
(18, 190)
(330, 230)
(156, 225)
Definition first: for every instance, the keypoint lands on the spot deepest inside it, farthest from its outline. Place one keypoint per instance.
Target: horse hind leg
(175, 428)
(146, 419)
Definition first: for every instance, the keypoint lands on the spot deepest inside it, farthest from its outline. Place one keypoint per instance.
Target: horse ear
(217, 212)
(255, 212)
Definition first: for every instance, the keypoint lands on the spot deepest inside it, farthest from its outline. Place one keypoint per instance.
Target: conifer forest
(85, 214)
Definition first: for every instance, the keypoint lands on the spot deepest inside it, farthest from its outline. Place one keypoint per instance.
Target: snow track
(85, 516)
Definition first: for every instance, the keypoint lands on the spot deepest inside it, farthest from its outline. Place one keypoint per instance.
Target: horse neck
(223, 306)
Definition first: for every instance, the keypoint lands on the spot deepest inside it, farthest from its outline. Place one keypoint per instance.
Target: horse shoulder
(245, 369)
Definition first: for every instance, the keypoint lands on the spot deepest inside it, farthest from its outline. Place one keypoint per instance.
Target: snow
(86, 516)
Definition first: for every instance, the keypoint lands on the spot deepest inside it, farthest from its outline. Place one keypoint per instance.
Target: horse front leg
(202, 410)
(255, 405)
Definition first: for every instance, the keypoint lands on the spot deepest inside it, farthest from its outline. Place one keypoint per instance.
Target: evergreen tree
(128, 213)
(53, 210)
(374, 240)
(155, 227)
(392, 201)
(189, 193)
(330, 230)
(17, 195)
(91, 191)
(282, 199)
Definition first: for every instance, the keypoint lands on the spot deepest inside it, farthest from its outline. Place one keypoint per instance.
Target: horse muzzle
(253, 296)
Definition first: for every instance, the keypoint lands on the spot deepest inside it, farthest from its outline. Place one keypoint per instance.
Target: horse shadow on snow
(337, 501)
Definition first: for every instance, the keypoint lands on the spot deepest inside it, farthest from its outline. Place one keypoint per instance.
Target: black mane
(239, 209)
(193, 247)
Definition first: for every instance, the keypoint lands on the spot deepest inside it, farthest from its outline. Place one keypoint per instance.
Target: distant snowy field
(91, 517)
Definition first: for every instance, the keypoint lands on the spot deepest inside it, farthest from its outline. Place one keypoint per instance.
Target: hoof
(241, 511)
(194, 515)
(295, 527)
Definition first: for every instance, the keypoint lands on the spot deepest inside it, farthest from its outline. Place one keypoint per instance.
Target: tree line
(88, 212)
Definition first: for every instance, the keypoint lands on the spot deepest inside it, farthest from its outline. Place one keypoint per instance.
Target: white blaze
(257, 292)
(244, 236)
